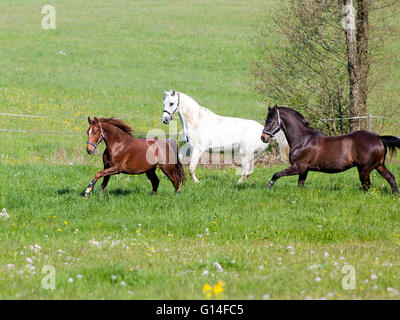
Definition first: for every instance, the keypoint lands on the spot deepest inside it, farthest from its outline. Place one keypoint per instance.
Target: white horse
(207, 131)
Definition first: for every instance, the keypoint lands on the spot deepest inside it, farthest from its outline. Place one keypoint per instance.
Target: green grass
(119, 56)
(159, 246)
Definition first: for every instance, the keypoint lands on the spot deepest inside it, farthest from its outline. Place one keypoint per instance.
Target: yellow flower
(59, 230)
(217, 289)
(206, 288)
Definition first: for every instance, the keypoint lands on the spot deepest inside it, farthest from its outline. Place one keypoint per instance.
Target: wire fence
(137, 133)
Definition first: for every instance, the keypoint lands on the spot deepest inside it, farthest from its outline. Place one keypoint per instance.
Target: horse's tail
(178, 165)
(180, 171)
(391, 143)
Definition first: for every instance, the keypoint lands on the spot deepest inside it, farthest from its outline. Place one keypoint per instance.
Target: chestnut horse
(310, 150)
(126, 154)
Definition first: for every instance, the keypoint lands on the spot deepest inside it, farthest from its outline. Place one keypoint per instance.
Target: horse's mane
(298, 115)
(118, 123)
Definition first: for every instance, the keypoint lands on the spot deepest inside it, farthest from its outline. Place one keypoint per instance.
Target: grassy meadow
(215, 240)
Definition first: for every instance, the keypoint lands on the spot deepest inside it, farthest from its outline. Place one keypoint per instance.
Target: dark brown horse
(126, 154)
(310, 150)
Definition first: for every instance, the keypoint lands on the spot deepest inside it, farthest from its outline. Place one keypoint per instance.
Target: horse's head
(95, 135)
(272, 124)
(171, 104)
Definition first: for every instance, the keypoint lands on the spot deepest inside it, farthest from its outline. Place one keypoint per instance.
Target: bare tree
(308, 59)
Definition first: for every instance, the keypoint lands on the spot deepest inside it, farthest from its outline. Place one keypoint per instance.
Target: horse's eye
(171, 104)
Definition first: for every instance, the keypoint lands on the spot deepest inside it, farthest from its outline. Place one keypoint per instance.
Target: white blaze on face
(90, 131)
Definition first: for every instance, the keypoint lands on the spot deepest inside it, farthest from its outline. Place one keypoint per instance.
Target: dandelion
(207, 290)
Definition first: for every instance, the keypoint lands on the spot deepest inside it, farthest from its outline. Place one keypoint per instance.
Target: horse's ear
(164, 94)
(96, 120)
(88, 120)
(173, 93)
(269, 109)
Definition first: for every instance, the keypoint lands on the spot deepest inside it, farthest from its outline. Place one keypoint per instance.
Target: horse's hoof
(177, 191)
(153, 193)
(269, 185)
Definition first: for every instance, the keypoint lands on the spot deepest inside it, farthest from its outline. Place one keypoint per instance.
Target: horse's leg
(291, 171)
(389, 177)
(151, 174)
(194, 160)
(302, 178)
(364, 173)
(104, 183)
(251, 168)
(105, 180)
(245, 164)
(170, 171)
(103, 173)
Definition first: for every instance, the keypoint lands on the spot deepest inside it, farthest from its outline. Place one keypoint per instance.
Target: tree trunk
(352, 64)
(362, 57)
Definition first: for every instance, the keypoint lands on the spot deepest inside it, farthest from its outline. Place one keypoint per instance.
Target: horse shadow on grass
(118, 192)
(64, 191)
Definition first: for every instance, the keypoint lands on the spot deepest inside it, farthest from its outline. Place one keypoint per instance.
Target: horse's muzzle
(90, 149)
(166, 120)
(265, 138)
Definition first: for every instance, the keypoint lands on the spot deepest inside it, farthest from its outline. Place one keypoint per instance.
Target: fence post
(370, 122)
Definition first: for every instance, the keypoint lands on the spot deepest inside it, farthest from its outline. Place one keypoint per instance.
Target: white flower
(10, 266)
(29, 260)
(374, 277)
(318, 279)
(218, 266)
(326, 254)
(205, 272)
(266, 296)
(113, 277)
(70, 279)
(123, 283)
(393, 292)
(79, 276)
(4, 214)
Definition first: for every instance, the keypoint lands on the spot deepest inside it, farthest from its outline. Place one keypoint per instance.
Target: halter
(177, 106)
(102, 136)
(273, 132)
